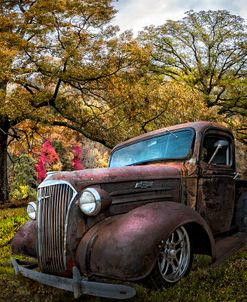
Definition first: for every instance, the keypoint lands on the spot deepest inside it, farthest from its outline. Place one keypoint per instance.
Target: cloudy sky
(135, 14)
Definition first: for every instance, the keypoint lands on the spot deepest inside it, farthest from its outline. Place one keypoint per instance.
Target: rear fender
(126, 247)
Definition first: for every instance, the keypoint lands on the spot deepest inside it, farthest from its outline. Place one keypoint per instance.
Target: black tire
(174, 260)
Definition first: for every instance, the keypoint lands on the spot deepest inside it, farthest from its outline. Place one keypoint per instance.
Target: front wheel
(174, 259)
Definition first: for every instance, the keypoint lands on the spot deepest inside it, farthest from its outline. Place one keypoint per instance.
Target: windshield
(171, 145)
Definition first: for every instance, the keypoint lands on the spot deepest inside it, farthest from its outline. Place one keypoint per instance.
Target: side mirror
(218, 145)
(221, 143)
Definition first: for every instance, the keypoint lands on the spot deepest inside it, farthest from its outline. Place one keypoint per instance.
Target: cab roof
(199, 126)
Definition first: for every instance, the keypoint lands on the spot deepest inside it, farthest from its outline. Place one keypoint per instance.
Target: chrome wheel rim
(174, 256)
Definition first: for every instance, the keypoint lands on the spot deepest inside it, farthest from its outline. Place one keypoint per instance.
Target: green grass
(227, 282)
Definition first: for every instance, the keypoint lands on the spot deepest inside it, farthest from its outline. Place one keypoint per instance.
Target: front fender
(25, 239)
(126, 247)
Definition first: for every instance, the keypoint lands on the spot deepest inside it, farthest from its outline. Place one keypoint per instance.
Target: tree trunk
(4, 127)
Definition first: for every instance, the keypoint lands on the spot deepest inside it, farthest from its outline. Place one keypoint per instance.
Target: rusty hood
(82, 178)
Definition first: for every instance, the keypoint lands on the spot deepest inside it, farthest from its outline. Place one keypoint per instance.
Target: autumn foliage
(62, 63)
(48, 160)
(48, 149)
(77, 159)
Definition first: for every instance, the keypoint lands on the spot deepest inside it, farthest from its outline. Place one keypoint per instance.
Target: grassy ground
(227, 282)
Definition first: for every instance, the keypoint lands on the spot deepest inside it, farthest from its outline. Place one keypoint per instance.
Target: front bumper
(78, 285)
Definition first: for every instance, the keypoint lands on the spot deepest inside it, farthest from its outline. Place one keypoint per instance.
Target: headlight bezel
(101, 201)
(97, 202)
(33, 213)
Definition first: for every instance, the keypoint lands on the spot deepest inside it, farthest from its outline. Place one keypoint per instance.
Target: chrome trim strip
(43, 185)
(47, 183)
(66, 228)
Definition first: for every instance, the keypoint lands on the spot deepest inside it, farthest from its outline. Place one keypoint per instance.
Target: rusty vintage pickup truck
(165, 196)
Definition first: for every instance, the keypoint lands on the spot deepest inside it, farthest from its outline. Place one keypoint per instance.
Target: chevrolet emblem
(144, 184)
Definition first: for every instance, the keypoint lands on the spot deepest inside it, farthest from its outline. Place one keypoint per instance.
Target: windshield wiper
(171, 132)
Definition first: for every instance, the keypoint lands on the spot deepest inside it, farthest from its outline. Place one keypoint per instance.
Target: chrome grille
(54, 199)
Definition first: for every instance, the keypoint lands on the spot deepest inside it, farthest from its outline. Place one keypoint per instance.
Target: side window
(216, 150)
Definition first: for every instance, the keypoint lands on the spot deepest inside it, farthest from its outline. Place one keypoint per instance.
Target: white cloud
(135, 14)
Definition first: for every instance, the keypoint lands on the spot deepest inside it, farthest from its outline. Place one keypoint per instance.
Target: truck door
(216, 184)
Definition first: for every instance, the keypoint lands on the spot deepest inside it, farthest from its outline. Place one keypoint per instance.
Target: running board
(227, 246)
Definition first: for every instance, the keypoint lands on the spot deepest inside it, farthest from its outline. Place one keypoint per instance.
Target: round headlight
(31, 210)
(90, 202)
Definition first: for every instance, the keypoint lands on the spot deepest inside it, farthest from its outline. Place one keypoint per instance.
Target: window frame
(171, 132)
(219, 135)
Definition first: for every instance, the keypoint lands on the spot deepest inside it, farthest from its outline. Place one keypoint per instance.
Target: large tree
(206, 50)
(58, 59)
